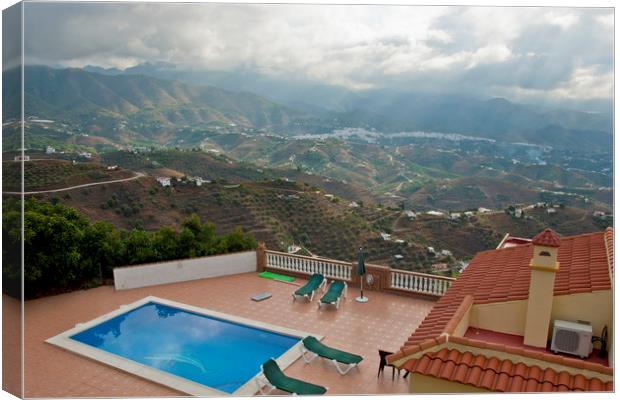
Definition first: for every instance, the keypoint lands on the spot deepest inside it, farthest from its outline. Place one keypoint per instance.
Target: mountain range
(78, 95)
(154, 100)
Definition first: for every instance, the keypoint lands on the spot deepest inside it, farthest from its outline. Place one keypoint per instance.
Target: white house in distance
(440, 267)
(483, 210)
(410, 214)
(435, 213)
(292, 249)
(163, 180)
(198, 180)
(50, 150)
(22, 158)
(386, 236)
(112, 167)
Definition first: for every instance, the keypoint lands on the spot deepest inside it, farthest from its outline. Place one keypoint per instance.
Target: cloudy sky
(519, 53)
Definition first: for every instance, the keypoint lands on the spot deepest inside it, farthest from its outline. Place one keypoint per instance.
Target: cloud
(546, 52)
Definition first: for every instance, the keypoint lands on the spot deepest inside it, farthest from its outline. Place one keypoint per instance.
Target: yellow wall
(596, 307)
(539, 306)
(548, 262)
(427, 384)
(464, 323)
(508, 317)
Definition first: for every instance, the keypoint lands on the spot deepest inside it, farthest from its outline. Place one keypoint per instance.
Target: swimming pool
(194, 350)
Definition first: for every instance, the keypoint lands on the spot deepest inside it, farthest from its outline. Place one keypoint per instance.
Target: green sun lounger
(276, 378)
(337, 290)
(312, 345)
(307, 290)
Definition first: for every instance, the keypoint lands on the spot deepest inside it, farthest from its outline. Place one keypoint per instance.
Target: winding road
(138, 175)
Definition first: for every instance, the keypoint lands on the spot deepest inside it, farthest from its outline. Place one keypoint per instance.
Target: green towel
(277, 277)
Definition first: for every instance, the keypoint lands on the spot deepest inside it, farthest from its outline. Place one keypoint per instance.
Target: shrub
(65, 251)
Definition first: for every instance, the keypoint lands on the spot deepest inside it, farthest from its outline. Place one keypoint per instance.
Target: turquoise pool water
(213, 352)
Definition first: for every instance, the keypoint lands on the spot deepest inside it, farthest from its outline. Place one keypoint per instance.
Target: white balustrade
(308, 265)
(420, 283)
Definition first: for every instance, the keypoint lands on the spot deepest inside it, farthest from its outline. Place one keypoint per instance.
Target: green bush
(65, 251)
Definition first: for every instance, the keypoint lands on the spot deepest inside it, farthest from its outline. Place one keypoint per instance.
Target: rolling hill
(404, 109)
(136, 104)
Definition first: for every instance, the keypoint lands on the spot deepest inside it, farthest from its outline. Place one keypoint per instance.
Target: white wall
(184, 270)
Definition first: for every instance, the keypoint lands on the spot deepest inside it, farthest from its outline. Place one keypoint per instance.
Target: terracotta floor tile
(385, 322)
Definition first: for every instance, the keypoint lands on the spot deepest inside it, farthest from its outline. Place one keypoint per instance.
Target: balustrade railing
(420, 283)
(309, 265)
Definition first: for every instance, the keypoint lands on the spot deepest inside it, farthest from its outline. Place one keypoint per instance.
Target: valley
(328, 182)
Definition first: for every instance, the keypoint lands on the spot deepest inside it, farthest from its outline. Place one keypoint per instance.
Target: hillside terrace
(398, 304)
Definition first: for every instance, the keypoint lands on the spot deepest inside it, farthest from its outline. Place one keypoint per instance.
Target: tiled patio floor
(384, 322)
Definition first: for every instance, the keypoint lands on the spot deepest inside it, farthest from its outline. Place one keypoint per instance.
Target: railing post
(261, 257)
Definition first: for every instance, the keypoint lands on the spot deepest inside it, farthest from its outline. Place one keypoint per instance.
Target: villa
(164, 181)
(489, 330)
(521, 318)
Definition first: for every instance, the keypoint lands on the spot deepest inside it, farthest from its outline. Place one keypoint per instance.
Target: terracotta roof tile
(547, 238)
(499, 375)
(609, 241)
(579, 382)
(531, 385)
(584, 267)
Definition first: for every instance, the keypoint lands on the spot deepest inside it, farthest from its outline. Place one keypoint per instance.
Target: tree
(102, 243)
(166, 243)
(237, 240)
(139, 247)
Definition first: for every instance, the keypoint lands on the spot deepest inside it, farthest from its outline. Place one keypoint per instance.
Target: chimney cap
(547, 238)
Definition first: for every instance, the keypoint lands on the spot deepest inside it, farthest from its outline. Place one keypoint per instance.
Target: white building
(163, 181)
(292, 249)
(455, 216)
(112, 167)
(483, 210)
(398, 256)
(353, 204)
(410, 214)
(385, 236)
(446, 253)
(551, 211)
(50, 150)
(20, 158)
(462, 265)
(468, 214)
(435, 213)
(440, 267)
(199, 181)
(85, 154)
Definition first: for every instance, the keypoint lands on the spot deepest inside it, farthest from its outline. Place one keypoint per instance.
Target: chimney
(543, 266)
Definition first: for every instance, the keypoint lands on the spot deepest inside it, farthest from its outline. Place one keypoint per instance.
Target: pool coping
(64, 341)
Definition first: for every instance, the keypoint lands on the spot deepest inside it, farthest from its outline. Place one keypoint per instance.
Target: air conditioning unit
(572, 338)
